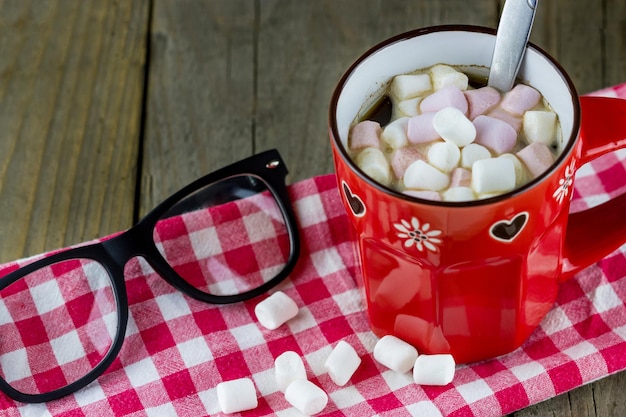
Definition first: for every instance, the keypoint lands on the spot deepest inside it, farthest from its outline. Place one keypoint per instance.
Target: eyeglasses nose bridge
(129, 244)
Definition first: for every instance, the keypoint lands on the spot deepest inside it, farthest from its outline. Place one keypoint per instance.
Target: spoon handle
(511, 40)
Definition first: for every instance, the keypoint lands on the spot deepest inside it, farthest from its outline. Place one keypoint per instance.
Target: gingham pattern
(62, 321)
(177, 350)
(227, 249)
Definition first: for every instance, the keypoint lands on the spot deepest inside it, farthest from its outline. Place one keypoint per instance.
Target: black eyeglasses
(63, 318)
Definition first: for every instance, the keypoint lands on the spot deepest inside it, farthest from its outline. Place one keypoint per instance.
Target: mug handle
(594, 233)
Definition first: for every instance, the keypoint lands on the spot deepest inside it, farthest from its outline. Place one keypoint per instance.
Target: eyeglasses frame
(114, 253)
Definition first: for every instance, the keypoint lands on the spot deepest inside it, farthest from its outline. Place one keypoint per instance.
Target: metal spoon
(511, 40)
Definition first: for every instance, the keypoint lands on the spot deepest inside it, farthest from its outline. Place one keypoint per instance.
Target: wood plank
(608, 395)
(71, 78)
(614, 36)
(304, 48)
(569, 31)
(200, 106)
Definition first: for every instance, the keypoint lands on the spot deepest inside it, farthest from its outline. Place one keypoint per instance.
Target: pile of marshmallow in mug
(448, 142)
(240, 395)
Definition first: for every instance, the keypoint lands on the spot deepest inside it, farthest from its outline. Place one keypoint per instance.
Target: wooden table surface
(106, 107)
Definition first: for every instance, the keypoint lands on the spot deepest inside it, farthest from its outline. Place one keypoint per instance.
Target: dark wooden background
(106, 107)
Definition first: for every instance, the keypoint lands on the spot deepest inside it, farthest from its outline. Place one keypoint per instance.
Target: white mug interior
(369, 77)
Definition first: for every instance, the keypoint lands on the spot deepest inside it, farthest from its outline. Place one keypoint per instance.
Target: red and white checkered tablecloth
(178, 349)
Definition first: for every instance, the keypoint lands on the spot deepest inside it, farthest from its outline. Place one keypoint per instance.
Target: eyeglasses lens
(226, 238)
(56, 324)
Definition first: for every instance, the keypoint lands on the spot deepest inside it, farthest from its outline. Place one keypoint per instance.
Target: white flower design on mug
(420, 235)
(565, 183)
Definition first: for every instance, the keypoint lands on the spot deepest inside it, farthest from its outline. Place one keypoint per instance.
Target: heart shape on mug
(354, 201)
(507, 230)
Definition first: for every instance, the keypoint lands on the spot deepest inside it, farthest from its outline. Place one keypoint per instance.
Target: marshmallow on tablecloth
(236, 395)
(453, 126)
(537, 157)
(495, 134)
(420, 129)
(450, 96)
(395, 354)
(520, 99)
(365, 134)
(472, 153)
(481, 100)
(444, 155)
(434, 369)
(342, 363)
(444, 76)
(423, 176)
(288, 367)
(307, 397)
(394, 134)
(374, 163)
(410, 85)
(458, 194)
(540, 126)
(275, 310)
(493, 175)
(402, 158)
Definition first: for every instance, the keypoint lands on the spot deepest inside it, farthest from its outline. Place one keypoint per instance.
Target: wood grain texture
(71, 78)
(200, 106)
(614, 42)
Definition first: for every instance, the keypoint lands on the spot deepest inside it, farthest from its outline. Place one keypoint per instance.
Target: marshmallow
(408, 107)
(487, 195)
(275, 310)
(402, 158)
(395, 354)
(472, 153)
(450, 96)
(537, 157)
(365, 134)
(495, 134)
(521, 176)
(307, 397)
(410, 85)
(493, 175)
(342, 363)
(481, 100)
(373, 162)
(540, 126)
(422, 175)
(458, 194)
(505, 116)
(434, 369)
(444, 155)
(420, 129)
(460, 177)
(394, 134)
(236, 395)
(453, 126)
(426, 195)
(288, 367)
(444, 75)
(520, 99)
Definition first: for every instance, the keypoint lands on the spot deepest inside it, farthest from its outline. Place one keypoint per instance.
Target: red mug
(474, 278)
